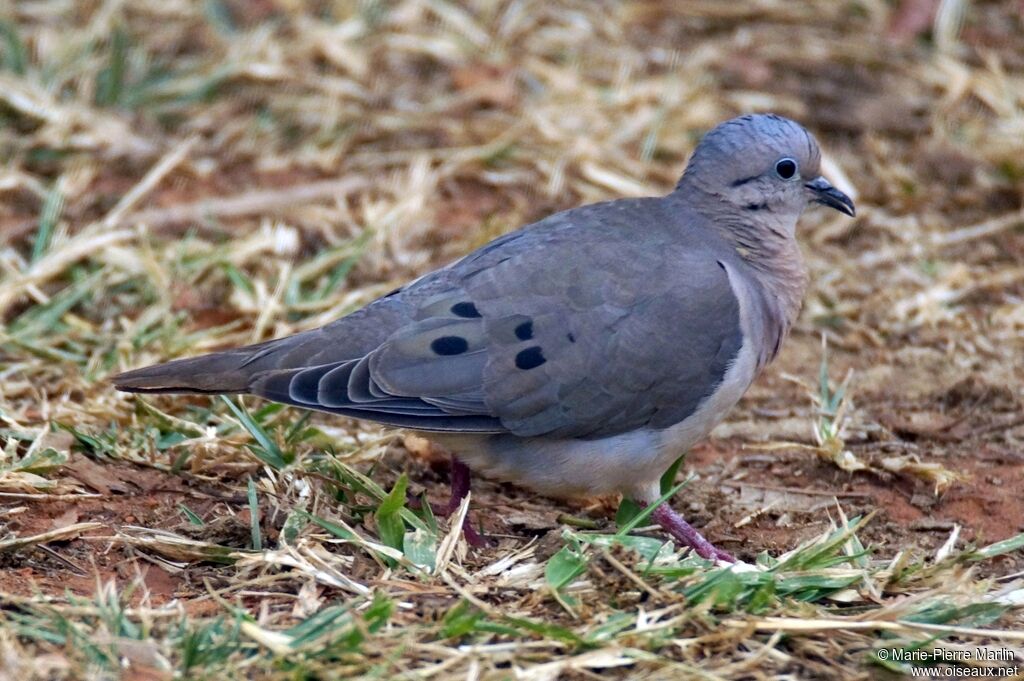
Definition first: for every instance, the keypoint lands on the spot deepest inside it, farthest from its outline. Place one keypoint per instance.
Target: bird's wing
(595, 322)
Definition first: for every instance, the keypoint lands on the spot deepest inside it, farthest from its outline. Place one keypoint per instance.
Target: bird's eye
(786, 168)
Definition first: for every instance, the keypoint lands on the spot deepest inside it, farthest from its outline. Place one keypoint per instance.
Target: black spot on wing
(571, 337)
(467, 310)
(530, 358)
(449, 345)
(525, 331)
(756, 206)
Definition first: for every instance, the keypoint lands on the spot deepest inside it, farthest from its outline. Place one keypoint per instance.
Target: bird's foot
(684, 533)
(474, 538)
(460, 488)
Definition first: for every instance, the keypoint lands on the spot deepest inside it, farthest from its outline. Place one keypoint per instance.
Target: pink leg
(683, 532)
(459, 474)
(460, 488)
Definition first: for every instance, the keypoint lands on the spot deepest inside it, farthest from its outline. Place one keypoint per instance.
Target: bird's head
(762, 169)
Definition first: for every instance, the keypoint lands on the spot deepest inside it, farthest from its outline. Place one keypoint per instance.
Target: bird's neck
(780, 270)
(777, 266)
(776, 262)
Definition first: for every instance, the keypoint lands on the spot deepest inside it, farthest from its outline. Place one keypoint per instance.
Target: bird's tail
(231, 371)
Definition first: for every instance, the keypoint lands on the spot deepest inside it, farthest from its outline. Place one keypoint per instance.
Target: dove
(579, 355)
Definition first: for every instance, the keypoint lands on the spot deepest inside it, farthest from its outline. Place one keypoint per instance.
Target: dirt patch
(799, 490)
(143, 497)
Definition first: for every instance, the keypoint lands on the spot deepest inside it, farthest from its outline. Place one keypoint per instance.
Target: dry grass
(183, 175)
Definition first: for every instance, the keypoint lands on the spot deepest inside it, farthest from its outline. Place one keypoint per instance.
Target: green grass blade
(110, 82)
(268, 452)
(53, 206)
(254, 516)
(14, 56)
(389, 516)
(190, 515)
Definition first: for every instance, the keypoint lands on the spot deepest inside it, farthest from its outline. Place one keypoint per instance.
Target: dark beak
(825, 194)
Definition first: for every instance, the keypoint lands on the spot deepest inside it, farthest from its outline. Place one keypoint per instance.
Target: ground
(185, 176)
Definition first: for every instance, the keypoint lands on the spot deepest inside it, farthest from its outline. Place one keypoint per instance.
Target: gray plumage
(623, 326)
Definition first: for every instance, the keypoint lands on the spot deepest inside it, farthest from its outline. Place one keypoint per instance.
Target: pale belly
(625, 463)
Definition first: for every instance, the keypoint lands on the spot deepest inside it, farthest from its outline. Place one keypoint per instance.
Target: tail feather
(220, 372)
(237, 370)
